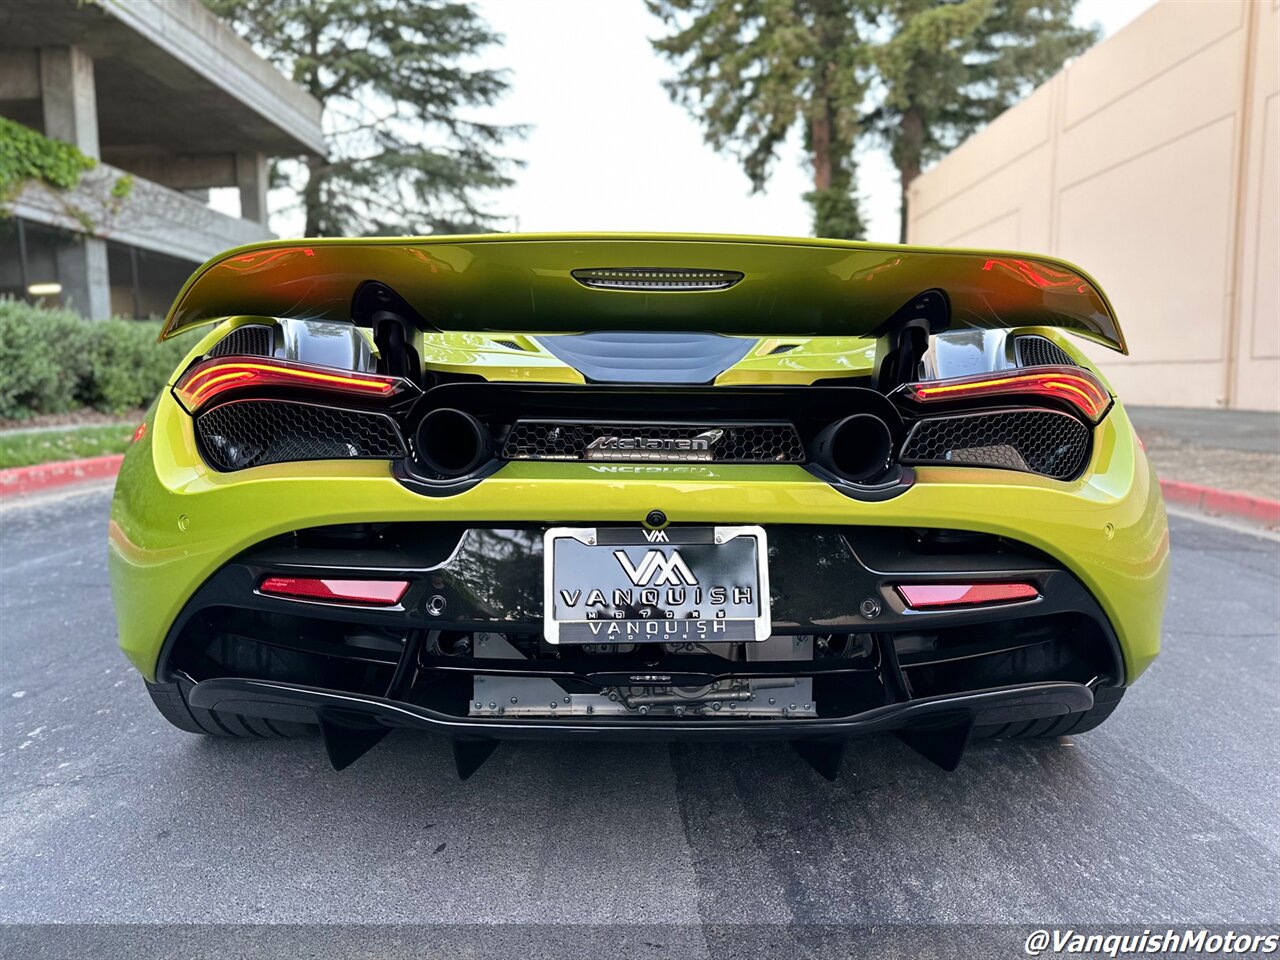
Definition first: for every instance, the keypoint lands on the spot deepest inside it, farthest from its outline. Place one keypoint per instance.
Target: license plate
(630, 585)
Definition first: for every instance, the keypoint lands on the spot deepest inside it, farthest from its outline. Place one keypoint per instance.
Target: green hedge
(52, 361)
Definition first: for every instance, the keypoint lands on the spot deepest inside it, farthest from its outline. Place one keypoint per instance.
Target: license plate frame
(663, 561)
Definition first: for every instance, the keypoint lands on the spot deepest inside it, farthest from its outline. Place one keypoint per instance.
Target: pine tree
(391, 79)
(750, 70)
(918, 75)
(947, 68)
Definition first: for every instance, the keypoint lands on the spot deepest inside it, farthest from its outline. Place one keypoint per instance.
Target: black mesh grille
(509, 344)
(251, 433)
(251, 340)
(1040, 352)
(1039, 441)
(721, 443)
(783, 348)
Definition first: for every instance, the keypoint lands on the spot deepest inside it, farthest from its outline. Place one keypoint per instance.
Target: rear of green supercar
(638, 487)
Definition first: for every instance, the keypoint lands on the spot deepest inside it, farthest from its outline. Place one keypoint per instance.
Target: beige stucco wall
(1153, 161)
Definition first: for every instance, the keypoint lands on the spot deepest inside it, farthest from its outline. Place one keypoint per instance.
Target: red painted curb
(1241, 506)
(21, 481)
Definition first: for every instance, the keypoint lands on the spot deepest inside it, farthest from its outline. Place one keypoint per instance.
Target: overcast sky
(609, 151)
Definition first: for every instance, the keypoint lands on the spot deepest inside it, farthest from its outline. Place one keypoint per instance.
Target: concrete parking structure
(166, 93)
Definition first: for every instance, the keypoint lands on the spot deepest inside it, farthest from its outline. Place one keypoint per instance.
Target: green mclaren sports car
(638, 487)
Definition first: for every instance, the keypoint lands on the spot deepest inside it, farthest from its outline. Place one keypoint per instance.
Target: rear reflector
(384, 593)
(923, 596)
(1076, 386)
(208, 380)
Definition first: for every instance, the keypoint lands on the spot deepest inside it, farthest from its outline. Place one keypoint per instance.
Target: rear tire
(1105, 701)
(171, 700)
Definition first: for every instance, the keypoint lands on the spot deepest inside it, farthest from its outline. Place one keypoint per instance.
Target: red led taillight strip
(932, 596)
(382, 593)
(1074, 385)
(208, 380)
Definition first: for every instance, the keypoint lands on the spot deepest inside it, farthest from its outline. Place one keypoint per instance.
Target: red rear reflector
(921, 596)
(140, 432)
(207, 380)
(1075, 385)
(380, 592)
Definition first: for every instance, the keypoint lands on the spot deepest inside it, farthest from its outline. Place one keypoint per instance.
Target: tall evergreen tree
(750, 70)
(919, 75)
(945, 68)
(392, 79)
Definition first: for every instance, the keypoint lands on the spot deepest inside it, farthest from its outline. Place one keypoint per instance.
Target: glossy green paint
(524, 283)
(174, 521)
(474, 353)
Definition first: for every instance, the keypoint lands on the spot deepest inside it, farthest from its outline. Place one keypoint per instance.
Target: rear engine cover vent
(1041, 351)
(648, 356)
(509, 344)
(656, 279)
(251, 340)
(783, 348)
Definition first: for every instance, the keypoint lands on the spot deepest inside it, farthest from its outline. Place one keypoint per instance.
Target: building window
(13, 284)
(29, 261)
(159, 280)
(143, 283)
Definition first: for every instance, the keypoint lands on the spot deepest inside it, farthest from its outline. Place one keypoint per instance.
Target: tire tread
(171, 700)
(1106, 699)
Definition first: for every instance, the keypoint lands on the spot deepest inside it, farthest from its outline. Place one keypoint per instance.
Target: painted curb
(1240, 506)
(22, 481)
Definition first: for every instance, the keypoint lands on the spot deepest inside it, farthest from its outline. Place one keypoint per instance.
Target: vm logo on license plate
(658, 569)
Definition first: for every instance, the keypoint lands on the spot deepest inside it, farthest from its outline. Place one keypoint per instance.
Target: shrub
(125, 364)
(52, 361)
(42, 359)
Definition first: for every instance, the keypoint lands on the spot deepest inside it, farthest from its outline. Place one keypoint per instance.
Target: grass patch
(23, 448)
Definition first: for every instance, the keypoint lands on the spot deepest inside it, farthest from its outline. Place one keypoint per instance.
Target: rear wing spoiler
(553, 283)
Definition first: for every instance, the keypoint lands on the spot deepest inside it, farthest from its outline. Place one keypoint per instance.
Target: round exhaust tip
(452, 443)
(857, 448)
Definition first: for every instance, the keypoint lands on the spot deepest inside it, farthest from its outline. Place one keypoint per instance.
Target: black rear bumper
(859, 659)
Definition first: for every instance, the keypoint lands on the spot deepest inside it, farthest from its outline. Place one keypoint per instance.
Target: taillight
(1076, 386)
(211, 379)
(384, 593)
(932, 596)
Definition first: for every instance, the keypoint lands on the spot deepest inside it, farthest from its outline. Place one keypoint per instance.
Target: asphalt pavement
(1168, 813)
